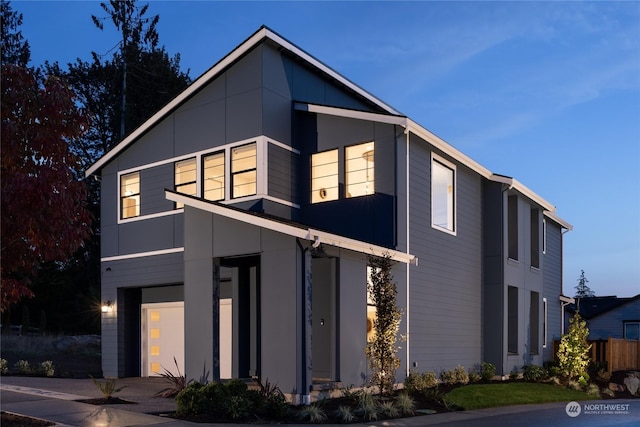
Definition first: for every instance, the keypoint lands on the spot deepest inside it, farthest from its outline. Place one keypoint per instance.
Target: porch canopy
(316, 237)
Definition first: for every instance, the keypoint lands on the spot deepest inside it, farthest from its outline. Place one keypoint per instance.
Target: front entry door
(323, 338)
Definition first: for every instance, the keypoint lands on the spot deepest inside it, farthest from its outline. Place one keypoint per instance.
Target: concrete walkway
(55, 399)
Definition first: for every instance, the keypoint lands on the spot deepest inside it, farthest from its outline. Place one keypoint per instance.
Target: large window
(324, 176)
(130, 195)
(512, 319)
(360, 170)
(442, 195)
(535, 238)
(213, 176)
(243, 170)
(512, 231)
(185, 178)
(534, 319)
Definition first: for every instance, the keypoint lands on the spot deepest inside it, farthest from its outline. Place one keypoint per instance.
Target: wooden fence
(620, 354)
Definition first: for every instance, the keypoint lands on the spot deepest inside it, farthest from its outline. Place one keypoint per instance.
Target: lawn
(477, 396)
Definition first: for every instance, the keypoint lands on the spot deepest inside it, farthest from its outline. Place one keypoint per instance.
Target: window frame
(544, 322)
(513, 228)
(452, 202)
(204, 177)
(534, 243)
(177, 186)
(513, 296)
(534, 323)
(236, 173)
(352, 172)
(626, 323)
(329, 197)
(136, 196)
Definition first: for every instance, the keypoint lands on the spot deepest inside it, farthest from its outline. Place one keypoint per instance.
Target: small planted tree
(382, 350)
(573, 353)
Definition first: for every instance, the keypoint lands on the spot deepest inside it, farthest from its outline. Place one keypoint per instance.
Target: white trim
(544, 322)
(148, 216)
(142, 254)
(449, 150)
(452, 166)
(262, 185)
(555, 218)
(352, 114)
(310, 234)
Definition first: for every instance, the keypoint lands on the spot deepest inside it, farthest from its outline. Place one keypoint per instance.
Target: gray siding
(282, 174)
(552, 259)
(446, 286)
(493, 300)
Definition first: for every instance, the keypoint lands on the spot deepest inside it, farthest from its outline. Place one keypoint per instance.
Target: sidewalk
(54, 399)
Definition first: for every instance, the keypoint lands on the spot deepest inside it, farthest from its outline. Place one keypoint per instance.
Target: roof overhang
(316, 237)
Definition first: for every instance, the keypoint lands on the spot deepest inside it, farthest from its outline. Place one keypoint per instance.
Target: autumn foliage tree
(44, 215)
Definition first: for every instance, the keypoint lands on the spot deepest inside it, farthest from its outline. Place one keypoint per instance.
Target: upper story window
(185, 178)
(324, 176)
(512, 226)
(243, 170)
(213, 176)
(130, 195)
(360, 170)
(443, 194)
(535, 238)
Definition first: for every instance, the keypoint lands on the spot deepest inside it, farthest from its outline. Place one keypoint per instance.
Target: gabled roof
(291, 228)
(258, 37)
(390, 115)
(591, 307)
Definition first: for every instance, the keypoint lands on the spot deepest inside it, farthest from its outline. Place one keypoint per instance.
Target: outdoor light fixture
(107, 306)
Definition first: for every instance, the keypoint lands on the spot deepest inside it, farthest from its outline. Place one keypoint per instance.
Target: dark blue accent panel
(368, 218)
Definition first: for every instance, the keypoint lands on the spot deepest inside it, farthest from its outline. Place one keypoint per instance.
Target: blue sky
(546, 92)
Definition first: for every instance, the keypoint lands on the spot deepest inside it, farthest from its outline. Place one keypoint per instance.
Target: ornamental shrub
(419, 383)
(532, 372)
(487, 371)
(573, 353)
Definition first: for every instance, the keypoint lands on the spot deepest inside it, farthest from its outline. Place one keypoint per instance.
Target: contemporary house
(238, 222)
(608, 316)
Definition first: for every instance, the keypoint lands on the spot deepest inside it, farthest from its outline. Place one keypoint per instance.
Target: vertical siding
(446, 286)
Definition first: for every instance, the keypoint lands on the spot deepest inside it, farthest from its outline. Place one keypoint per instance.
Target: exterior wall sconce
(107, 306)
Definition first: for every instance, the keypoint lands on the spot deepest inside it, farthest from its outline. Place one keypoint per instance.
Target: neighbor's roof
(391, 115)
(290, 228)
(591, 307)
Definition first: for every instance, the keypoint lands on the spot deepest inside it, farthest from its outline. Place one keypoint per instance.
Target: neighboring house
(609, 316)
(237, 224)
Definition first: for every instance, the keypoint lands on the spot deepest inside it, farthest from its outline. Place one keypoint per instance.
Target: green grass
(477, 396)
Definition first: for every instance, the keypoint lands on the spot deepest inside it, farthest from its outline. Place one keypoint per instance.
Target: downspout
(305, 335)
(408, 337)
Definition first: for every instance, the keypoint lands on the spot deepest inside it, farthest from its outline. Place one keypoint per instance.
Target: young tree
(582, 290)
(382, 350)
(573, 352)
(44, 215)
